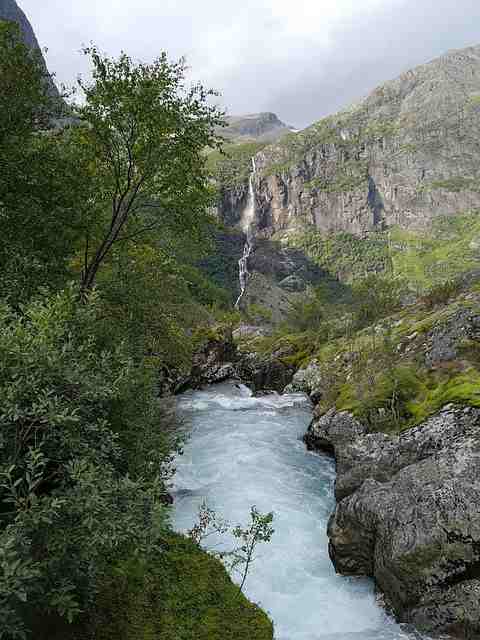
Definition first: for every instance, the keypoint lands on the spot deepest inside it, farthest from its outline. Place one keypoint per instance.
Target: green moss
(233, 167)
(182, 594)
(353, 175)
(386, 403)
(406, 396)
(461, 388)
(441, 254)
(457, 184)
(258, 313)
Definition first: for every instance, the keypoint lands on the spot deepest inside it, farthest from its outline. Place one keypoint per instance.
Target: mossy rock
(183, 594)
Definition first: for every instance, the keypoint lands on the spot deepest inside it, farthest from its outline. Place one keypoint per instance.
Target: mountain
(262, 127)
(9, 10)
(403, 156)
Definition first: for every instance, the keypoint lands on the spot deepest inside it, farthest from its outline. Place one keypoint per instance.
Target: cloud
(299, 58)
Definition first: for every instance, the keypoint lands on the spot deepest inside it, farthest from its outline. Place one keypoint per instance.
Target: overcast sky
(299, 58)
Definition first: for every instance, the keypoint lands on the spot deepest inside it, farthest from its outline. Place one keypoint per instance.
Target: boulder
(308, 380)
(213, 363)
(445, 339)
(264, 372)
(408, 515)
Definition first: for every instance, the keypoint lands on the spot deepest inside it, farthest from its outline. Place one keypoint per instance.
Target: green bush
(80, 465)
(441, 293)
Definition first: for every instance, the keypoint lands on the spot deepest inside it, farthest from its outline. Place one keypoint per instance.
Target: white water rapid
(246, 221)
(246, 451)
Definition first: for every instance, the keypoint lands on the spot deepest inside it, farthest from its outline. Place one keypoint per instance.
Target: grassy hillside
(404, 341)
(449, 248)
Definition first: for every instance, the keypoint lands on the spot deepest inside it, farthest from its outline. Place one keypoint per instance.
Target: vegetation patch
(181, 594)
(232, 166)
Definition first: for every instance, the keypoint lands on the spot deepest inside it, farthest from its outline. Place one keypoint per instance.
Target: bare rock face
(400, 157)
(408, 515)
(445, 339)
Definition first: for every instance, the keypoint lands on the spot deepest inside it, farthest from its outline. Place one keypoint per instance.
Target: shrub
(80, 466)
(441, 293)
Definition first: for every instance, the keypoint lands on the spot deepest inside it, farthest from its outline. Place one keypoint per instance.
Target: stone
(264, 372)
(307, 380)
(444, 340)
(408, 514)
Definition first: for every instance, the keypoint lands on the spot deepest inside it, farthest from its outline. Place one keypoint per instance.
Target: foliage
(39, 183)
(85, 445)
(240, 558)
(232, 165)
(441, 293)
(72, 490)
(442, 254)
(23, 101)
(375, 297)
(344, 255)
(144, 135)
(259, 530)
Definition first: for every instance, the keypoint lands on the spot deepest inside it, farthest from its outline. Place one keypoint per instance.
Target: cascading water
(246, 221)
(246, 451)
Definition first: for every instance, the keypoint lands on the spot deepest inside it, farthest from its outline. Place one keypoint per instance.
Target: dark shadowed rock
(264, 372)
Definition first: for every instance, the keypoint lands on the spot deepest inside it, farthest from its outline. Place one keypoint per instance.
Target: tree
(24, 102)
(41, 186)
(259, 530)
(144, 136)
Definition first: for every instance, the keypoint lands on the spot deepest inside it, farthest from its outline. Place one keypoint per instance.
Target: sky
(301, 59)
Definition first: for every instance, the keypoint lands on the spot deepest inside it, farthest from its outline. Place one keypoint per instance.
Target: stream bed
(244, 450)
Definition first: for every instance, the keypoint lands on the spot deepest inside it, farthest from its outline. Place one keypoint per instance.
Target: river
(243, 451)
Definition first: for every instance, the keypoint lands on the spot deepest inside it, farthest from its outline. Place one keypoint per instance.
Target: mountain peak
(264, 127)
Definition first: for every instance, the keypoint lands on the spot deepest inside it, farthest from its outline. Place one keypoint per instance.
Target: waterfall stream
(245, 451)
(246, 221)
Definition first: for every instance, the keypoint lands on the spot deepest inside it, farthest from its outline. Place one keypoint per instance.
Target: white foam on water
(245, 451)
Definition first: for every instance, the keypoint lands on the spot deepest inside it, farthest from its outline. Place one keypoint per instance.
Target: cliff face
(9, 10)
(404, 155)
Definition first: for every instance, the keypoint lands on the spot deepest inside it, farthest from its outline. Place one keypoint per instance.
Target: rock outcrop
(401, 157)
(219, 360)
(308, 380)
(408, 514)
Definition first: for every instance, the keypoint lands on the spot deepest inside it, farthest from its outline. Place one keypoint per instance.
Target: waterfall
(246, 221)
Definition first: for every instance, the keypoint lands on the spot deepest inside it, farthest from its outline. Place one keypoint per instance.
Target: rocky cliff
(404, 155)
(9, 10)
